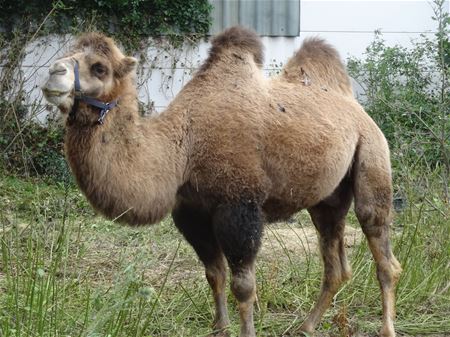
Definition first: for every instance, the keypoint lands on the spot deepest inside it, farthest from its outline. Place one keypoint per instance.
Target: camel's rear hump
(317, 62)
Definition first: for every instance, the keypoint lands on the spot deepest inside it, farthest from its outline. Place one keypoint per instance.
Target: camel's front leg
(244, 290)
(196, 226)
(216, 276)
(238, 228)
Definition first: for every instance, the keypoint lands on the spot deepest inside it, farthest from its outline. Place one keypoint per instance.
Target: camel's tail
(318, 63)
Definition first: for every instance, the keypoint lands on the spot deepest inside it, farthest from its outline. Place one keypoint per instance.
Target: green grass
(66, 272)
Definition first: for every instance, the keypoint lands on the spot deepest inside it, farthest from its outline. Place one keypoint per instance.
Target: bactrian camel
(232, 151)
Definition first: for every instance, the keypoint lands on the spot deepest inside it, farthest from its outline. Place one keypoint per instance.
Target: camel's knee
(388, 271)
(243, 286)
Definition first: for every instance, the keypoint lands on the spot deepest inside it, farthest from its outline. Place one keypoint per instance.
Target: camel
(233, 151)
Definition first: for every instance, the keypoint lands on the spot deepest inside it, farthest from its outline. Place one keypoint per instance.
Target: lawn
(65, 271)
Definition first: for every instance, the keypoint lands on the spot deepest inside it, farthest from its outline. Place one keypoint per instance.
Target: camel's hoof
(387, 330)
(220, 333)
(386, 333)
(301, 331)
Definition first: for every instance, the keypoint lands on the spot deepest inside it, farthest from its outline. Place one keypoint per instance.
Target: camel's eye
(98, 69)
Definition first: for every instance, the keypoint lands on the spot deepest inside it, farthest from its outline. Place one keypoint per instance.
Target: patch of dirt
(285, 240)
(280, 242)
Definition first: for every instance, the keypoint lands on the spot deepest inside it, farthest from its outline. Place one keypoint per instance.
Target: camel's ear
(126, 66)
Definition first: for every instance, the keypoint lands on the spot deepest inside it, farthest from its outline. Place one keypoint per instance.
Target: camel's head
(100, 65)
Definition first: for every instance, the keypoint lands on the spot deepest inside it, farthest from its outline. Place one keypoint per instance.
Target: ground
(68, 272)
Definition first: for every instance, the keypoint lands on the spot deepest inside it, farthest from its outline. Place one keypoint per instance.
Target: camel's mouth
(54, 93)
(58, 87)
(55, 96)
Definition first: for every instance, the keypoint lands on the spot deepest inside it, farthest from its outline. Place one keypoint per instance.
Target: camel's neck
(130, 167)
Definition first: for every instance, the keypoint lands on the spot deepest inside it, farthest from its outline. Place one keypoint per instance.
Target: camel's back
(285, 142)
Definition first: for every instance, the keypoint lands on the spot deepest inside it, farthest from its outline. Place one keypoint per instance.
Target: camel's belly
(282, 203)
(277, 209)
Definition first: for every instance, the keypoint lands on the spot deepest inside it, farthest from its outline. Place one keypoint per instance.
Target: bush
(32, 149)
(128, 21)
(407, 92)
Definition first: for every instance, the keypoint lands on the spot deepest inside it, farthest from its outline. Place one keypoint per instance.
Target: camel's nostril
(57, 69)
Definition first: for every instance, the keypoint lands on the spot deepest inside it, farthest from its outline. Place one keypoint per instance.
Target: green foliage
(32, 149)
(407, 92)
(130, 21)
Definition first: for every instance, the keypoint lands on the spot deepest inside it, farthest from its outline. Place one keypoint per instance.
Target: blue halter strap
(104, 107)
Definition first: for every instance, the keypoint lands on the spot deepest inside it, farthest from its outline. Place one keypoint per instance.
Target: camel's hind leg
(373, 203)
(329, 219)
(196, 226)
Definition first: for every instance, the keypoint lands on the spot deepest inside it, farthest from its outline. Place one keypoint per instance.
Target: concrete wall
(349, 25)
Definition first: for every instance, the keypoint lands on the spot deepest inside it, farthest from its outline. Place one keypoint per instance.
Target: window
(266, 17)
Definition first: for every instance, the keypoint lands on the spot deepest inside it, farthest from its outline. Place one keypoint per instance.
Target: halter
(104, 107)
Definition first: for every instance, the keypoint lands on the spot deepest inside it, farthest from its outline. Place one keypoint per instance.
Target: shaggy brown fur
(233, 149)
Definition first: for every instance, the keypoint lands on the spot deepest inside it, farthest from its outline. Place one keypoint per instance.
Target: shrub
(407, 92)
(128, 21)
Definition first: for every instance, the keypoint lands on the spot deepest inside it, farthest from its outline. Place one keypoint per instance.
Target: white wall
(349, 25)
